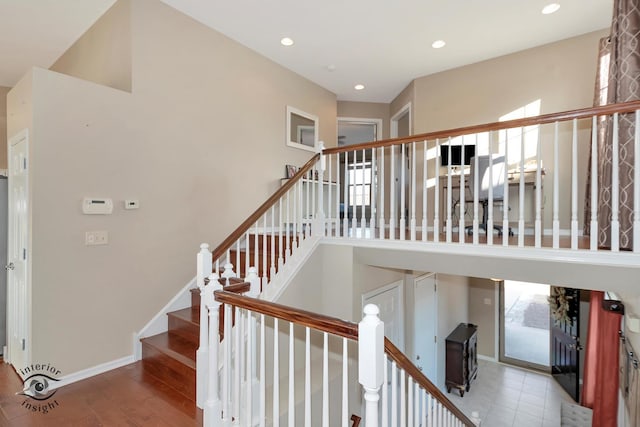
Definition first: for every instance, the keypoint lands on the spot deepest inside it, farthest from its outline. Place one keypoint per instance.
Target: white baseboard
(90, 372)
(487, 358)
(160, 323)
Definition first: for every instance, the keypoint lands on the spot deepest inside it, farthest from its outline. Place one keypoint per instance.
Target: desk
(514, 184)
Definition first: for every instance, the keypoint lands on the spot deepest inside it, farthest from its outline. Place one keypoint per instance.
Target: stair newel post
(319, 217)
(204, 266)
(213, 405)
(228, 273)
(371, 361)
(254, 279)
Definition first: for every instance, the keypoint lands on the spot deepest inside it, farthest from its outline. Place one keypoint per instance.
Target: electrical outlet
(131, 204)
(100, 237)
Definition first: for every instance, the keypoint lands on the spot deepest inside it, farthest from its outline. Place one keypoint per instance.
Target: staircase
(170, 357)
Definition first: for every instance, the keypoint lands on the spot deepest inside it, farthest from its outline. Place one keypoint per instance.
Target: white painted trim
(160, 323)
(399, 284)
(316, 140)
(496, 321)
(487, 358)
(90, 372)
(365, 120)
(393, 130)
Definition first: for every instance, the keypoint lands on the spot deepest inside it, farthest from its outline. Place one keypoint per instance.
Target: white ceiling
(383, 44)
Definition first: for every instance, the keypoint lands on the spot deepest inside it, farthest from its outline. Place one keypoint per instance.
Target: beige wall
(366, 110)
(407, 96)
(103, 54)
(3, 126)
(200, 141)
(482, 312)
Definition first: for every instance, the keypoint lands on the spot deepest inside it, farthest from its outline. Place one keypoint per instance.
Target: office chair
(484, 178)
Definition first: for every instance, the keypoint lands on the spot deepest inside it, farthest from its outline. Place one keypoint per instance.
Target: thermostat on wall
(97, 206)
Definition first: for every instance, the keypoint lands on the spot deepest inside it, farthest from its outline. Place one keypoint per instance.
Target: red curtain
(600, 386)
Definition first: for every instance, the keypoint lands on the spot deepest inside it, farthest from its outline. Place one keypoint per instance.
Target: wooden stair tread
(189, 314)
(174, 346)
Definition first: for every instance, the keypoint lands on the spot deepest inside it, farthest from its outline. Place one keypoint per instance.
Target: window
(360, 184)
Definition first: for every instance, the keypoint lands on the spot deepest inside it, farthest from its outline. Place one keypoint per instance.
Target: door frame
(12, 310)
(501, 357)
(399, 285)
(363, 120)
(406, 109)
(435, 322)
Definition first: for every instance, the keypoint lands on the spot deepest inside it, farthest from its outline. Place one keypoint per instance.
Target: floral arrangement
(559, 305)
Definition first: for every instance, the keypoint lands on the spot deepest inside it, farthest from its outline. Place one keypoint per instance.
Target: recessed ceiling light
(358, 87)
(438, 44)
(286, 41)
(331, 67)
(550, 8)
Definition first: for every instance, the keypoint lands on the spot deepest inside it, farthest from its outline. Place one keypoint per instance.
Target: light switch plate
(100, 237)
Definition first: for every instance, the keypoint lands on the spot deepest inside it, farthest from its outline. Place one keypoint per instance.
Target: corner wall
(200, 142)
(3, 126)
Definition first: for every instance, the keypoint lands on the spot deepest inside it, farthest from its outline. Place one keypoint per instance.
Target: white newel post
(203, 269)
(371, 361)
(254, 279)
(213, 407)
(319, 217)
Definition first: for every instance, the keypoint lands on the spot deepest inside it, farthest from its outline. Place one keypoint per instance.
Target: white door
(19, 306)
(389, 300)
(425, 319)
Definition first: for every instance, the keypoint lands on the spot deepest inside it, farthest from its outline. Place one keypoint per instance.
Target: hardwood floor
(122, 397)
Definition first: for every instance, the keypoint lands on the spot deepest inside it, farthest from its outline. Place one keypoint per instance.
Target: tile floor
(508, 396)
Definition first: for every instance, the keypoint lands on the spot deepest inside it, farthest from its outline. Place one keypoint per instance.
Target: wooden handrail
(625, 107)
(242, 228)
(403, 362)
(341, 328)
(316, 321)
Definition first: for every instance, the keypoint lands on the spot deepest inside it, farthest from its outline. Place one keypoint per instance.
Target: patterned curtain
(622, 84)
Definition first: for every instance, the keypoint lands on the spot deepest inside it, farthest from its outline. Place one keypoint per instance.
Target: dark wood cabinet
(462, 357)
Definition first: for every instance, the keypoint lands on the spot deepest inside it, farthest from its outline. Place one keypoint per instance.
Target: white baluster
(307, 195)
(374, 195)
(371, 361)
(403, 398)
(297, 197)
(265, 235)
(272, 270)
(461, 199)
(430, 412)
(276, 375)
(238, 256)
(337, 231)
(505, 201)
(489, 231)
(385, 395)
(521, 192)
(436, 196)
(636, 185)
(280, 242)
(250, 370)
(325, 382)
(203, 269)
(392, 198)
(237, 363)
(363, 218)
(292, 400)
(394, 394)
(410, 401)
(307, 378)
(574, 186)
(256, 247)
(556, 189)
(288, 226)
(423, 184)
(347, 198)
(594, 184)
(320, 217)
(476, 192)
(615, 188)
(330, 201)
(263, 380)
(254, 280)
(354, 215)
(423, 420)
(403, 220)
(449, 196)
(213, 407)
(226, 366)
(345, 384)
(312, 214)
(416, 414)
(381, 220)
(412, 220)
(538, 223)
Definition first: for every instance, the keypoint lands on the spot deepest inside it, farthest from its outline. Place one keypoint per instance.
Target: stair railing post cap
(204, 246)
(371, 310)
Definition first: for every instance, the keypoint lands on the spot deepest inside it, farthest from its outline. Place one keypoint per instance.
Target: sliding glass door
(525, 324)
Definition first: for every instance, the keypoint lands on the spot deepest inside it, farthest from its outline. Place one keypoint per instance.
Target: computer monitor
(456, 155)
